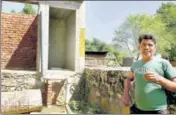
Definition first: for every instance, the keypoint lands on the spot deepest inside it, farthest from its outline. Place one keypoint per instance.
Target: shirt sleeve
(132, 68)
(169, 70)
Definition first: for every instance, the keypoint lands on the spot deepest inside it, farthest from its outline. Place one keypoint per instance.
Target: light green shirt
(149, 95)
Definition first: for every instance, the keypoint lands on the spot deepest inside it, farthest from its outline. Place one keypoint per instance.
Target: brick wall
(19, 41)
(95, 60)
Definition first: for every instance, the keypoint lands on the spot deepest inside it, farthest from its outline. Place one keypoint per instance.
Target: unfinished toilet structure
(60, 48)
(61, 36)
(61, 41)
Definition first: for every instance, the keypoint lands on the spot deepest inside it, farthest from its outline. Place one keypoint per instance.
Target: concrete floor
(52, 110)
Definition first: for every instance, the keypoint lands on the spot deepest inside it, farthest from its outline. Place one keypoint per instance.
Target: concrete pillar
(43, 39)
(0, 24)
(80, 38)
(39, 42)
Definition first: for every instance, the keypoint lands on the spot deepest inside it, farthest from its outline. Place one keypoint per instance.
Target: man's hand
(152, 77)
(168, 84)
(130, 75)
(125, 99)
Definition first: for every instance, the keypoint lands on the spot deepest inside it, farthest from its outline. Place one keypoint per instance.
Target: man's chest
(140, 70)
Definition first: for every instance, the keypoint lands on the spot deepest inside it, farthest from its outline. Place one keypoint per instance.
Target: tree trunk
(21, 101)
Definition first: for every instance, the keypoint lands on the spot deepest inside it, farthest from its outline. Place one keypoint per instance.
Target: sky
(103, 17)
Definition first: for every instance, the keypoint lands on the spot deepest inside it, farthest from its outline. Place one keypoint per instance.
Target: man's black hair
(146, 37)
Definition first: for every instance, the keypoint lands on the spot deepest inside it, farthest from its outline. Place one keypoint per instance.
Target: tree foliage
(13, 11)
(167, 13)
(127, 34)
(28, 9)
(162, 25)
(98, 45)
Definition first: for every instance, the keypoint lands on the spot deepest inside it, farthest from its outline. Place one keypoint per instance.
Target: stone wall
(19, 41)
(55, 91)
(21, 80)
(104, 87)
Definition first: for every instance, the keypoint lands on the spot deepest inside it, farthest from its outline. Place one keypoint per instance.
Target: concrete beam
(23, 1)
(71, 5)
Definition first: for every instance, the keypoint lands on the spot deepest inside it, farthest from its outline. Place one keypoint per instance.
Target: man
(151, 75)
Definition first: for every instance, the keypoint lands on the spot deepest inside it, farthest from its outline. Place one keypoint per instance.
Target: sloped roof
(97, 52)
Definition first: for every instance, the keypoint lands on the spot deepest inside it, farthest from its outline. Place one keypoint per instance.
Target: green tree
(28, 9)
(98, 45)
(167, 12)
(13, 11)
(88, 45)
(126, 36)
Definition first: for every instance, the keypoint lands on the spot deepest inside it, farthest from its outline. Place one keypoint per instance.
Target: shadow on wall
(24, 57)
(56, 88)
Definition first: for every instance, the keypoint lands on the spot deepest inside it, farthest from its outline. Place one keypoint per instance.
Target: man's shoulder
(165, 63)
(136, 63)
(162, 60)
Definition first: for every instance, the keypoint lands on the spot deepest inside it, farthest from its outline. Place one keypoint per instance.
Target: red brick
(16, 31)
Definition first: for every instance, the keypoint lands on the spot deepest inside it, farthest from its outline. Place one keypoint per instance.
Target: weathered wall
(56, 92)
(104, 87)
(20, 81)
(19, 41)
(59, 90)
(95, 60)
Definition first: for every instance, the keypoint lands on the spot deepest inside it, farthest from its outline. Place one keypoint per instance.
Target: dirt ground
(54, 109)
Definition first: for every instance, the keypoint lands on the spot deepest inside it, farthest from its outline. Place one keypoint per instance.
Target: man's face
(147, 48)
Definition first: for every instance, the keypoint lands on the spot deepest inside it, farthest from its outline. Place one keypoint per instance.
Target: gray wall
(57, 41)
(62, 39)
(70, 42)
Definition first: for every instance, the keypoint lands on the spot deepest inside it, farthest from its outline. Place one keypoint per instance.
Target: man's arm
(127, 85)
(168, 84)
(168, 81)
(128, 82)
